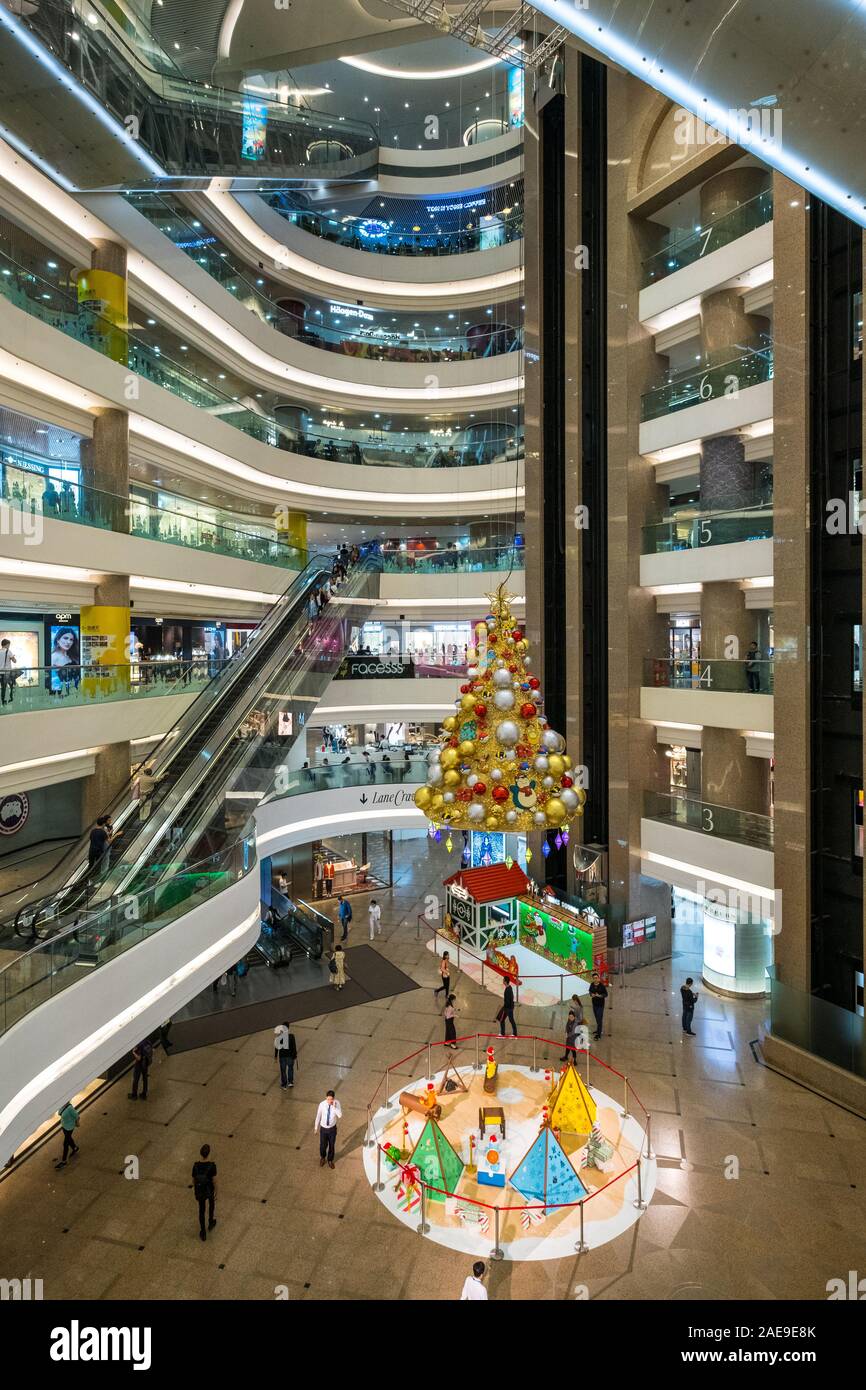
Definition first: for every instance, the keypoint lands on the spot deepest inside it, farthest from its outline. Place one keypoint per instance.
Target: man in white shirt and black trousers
(327, 1115)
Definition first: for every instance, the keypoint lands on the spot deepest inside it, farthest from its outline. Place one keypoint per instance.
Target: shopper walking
(327, 1115)
(69, 1122)
(506, 1013)
(445, 975)
(374, 914)
(570, 1037)
(147, 785)
(204, 1172)
(286, 1052)
(690, 998)
(344, 912)
(598, 996)
(753, 670)
(473, 1286)
(142, 1056)
(449, 1014)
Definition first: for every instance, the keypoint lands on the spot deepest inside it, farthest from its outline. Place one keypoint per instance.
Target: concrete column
(111, 774)
(724, 617)
(109, 256)
(730, 777)
(105, 466)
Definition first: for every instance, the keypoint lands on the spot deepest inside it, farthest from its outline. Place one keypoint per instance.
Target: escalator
(293, 929)
(224, 757)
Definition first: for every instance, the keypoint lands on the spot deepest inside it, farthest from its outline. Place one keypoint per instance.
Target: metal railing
(706, 383)
(720, 822)
(702, 241)
(753, 676)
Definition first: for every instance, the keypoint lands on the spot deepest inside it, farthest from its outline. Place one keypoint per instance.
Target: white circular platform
(522, 1094)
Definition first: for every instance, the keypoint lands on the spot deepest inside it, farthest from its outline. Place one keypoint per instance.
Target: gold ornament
(423, 797)
(467, 748)
(451, 777)
(555, 810)
(467, 702)
(449, 723)
(448, 757)
(555, 765)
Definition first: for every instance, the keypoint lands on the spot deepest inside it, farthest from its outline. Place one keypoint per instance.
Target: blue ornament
(545, 849)
(438, 835)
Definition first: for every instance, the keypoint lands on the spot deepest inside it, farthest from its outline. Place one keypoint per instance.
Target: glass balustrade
(56, 306)
(691, 530)
(826, 1030)
(138, 517)
(365, 340)
(466, 560)
(60, 687)
(702, 384)
(752, 676)
(108, 928)
(702, 241)
(479, 233)
(743, 827)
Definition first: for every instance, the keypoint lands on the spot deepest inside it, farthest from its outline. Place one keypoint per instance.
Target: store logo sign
(14, 811)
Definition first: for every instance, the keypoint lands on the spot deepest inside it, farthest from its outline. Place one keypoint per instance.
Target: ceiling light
(416, 75)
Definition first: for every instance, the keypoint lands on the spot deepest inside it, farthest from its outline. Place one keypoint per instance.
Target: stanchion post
(429, 1062)
(482, 974)
(387, 1083)
(649, 1140)
(370, 1140)
(560, 989)
(534, 1066)
(586, 1050)
(640, 1203)
(423, 1229)
(581, 1247)
(458, 960)
(625, 1098)
(378, 1185)
(496, 1252)
(477, 1066)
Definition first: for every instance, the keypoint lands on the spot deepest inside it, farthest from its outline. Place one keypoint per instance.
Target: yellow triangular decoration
(572, 1108)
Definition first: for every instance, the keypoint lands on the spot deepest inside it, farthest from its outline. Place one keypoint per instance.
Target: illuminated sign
(515, 96)
(458, 207)
(254, 132)
(372, 229)
(351, 311)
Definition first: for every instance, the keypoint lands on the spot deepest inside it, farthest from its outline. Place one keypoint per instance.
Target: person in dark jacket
(142, 1055)
(506, 1013)
(286, 1051)
(690, 998)
(570, 1037)
(598, 996)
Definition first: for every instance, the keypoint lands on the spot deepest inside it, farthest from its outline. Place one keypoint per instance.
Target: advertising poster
(24, 647)
(255, 123)
(488, 847)
(515, 96)
(65, 657)
(720, 942)
(104, 647)
(565, 940)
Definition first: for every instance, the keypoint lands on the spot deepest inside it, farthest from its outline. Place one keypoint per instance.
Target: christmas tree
(500, 766)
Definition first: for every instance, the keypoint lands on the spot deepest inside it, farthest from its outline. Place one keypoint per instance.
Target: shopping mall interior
(406, 892)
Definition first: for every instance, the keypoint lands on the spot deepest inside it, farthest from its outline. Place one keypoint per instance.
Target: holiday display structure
(572, 1108)
(599, 1151)
(545, 1175)
(440, 1167)
(500, 765)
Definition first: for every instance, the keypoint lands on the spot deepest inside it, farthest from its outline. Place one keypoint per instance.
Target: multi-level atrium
(431, 456)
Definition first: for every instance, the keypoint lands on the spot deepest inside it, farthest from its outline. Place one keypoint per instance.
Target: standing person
(690, 998)
(598, 995)
(375, 916)
(7, 671)
(570, 1037)
(286, 1051)
(753, 670)
(506, 1013)
(337, 966)
(68, 1123)
(143, 1056)
(204, 1173)
(147, 784)
(99, 843)
(344, 912)
(445, 974)
(327, 1115)
(473, 1287)
(450, 1026)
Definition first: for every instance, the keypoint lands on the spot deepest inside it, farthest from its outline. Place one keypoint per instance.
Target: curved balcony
(708, 674)
(482, 232)
(693, 246)
(748, 520)
(702, 384)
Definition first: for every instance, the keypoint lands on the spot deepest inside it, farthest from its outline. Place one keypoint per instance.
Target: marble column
(727, 191)
(792, 583)
(727, 476)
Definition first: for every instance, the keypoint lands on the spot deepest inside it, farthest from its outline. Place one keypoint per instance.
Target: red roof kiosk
(483, 902)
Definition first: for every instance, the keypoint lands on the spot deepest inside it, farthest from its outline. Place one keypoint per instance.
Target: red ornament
(513, 670)
(491, 639)
(479, 789)
(517, 634)
(464, 794)
(534, 683)
(527, 711)
(481, 711)
(500, 793)
(566, 780)
(452, 743)
(464, 689)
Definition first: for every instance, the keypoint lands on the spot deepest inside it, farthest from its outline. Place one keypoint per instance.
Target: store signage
(640, 930)
(458, 891)
(14, 811)
(351, 311)
(355, 668)
(459, 909)
(457, 207)
(373, 229)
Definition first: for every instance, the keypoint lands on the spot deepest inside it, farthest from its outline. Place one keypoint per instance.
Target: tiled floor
(793, 1217)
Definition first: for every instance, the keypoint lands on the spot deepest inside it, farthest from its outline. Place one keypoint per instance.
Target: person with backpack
(204, 1173)
(69, 1122)
(286, 1052)
(143, 1056)
(344, 911)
